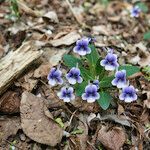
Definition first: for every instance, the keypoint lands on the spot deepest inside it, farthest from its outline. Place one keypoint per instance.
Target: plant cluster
(92, 77)
(14, 15)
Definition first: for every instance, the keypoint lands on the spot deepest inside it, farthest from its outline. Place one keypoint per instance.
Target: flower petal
(121, 84)
(110, 67)
(52, 82)
(82, 52)
(103, 62)
(84, 96)
(72, 81)
(79, 80)
(91, 99)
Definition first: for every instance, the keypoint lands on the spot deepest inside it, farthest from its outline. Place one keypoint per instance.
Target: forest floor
(32, 117)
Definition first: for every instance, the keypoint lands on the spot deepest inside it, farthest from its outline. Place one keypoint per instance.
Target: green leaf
(104, 2)
(77, 131)
(146, 71)
(147, 36)
(93, 56)
(59, 121)
(106, 82)
(105, 99)
(99, 69)
(71, 61)
(142, 6)
(86, 74)
(130, 70)
(80, 88)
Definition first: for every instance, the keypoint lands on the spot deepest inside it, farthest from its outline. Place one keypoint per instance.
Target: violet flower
(91, 94)
(135, 11)
(110, 62)
(128, 94)
(96, 82)
(73, 76)
(120, 79)
(82, 47)
(66, 94)
(55, 77)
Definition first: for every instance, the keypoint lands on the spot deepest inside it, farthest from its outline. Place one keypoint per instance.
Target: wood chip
(15, 62)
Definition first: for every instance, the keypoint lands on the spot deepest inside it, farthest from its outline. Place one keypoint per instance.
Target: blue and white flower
(128, 94)
(120, 79)
(55, 77)
(135, 11)
(110, 62)
(96, 82)
(74, 76)
(66, 94)
(91, 94)
(82, 47)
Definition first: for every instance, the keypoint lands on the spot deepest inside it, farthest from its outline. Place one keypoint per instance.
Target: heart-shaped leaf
(105, 99)
(130, 70)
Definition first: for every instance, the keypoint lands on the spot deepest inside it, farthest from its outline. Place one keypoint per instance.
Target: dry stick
(91, 145)
(80, 23)
(77, 19)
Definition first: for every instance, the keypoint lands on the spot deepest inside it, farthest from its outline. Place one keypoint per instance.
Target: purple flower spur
(120, 79)
(135, 11)
(110, 62)
(66, 94)
(91, 94)
(73, 76)
(128, 94)
(82, 47)
(55, 77)
(96, 82)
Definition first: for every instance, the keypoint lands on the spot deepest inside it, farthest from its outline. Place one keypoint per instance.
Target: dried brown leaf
(112, 139)
(35, 124)
(10, 102)
(8, 127)
(42, 71)
(68, 39)
(51, 16)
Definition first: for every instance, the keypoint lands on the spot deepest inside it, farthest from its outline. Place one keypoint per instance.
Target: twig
(91, 145)
(76, 17)
(70, 6)
(73, 114)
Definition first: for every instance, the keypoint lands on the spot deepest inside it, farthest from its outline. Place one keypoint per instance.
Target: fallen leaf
(79, 13)
(112, 139)
(8, 127)
(84, 106)
(54, 56)
(145, 60)
(51, 16)
(147, 103)
(27, 82)
(68, 39)
(23, 6)
(42, 71)
(84, 136)
(10, 102)
(114, 18)
(2, 39)
(101, 29)
(123, 120)
(1, 51)
(35, 124)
